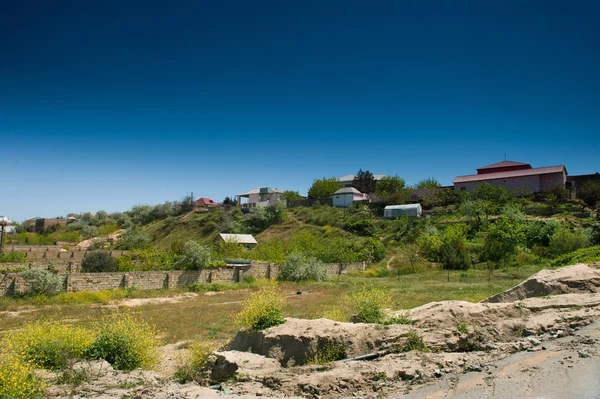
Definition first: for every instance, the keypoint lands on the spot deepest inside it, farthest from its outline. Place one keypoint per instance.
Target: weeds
(124, 342)
(330, 351)
(414, 342)
(368, 302)
(50, 345)
(262, 310)
(192, 362)
(462, 327)
(18, 379)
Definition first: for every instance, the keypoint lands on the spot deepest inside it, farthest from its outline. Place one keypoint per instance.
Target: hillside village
(340, 293)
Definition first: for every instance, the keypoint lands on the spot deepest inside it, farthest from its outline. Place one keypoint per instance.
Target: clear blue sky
(107, 104)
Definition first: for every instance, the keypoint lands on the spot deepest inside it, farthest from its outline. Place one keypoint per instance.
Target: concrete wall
(12, 283)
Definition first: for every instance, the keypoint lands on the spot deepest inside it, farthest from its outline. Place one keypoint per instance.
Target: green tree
(453, 250)
(364, 181)
(323, 188)
(429, 182)
(589, 192)
(389, 185)
(290, 195)
(503, 239)
(96, 262)
(194, 256)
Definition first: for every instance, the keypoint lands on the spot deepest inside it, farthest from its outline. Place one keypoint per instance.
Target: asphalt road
(559, 372)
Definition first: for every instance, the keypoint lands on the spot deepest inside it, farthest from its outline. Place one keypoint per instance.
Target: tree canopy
(364, 181)
(389, 185)
(323, 188)
(290, 195)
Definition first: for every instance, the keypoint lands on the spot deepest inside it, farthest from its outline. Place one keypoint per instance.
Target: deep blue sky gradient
(108, 104)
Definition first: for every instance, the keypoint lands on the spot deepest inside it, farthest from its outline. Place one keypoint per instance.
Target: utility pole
(3, 223)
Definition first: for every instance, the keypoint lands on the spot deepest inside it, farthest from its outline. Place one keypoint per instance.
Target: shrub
(135, 239)
(194, 256)
(330, 351)
(13, 256)
(192, 362)
(362, 227)
(124, 342)
(368, 303)
(215, 263)
(262, 310)
(42, 281)
(300, 267)
(145, 260)
(414, 342)
(49, 344)
(97, 262)
(263, 217)
(18, 379)
(564, 241)
(582, 255)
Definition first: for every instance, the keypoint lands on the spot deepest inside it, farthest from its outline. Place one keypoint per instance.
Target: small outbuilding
(245, 240)
(411, 210)
(344, 197)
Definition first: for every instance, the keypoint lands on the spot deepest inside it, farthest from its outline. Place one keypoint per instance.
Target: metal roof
(239, 238)
(511, 173)
(405, 206)
(257, 191)
(348, 190)
(504, 164)
(351, 177)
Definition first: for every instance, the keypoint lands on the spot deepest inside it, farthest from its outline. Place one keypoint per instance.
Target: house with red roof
(207, 202)
(515, 175)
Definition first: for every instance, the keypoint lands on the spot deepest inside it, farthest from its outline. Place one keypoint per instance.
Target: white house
(259, 197)
(344, 197)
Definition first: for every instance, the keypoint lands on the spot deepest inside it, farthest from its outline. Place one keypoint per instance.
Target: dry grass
(211, 315)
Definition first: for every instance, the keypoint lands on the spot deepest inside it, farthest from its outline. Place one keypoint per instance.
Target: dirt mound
(297, 341)
(580, 278)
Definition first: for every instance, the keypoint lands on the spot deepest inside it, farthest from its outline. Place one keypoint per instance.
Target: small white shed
(393, 211)
(344, 197)
(245, 240)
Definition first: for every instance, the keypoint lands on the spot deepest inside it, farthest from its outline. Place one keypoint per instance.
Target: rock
(580, 278)
(93, 368)
(534, 341)
(229, 363)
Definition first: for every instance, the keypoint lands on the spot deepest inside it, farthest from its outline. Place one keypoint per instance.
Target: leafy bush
(539, 233)
(330, 351)
(135, 239)
(145, 260)
(42, 281)
(124, 342)
(362, 227)
(18, 379)
(300, 267)
(582, 255)
(262, 310)
(215, 263)
(50, 344)
(368, 304)
(194, 256)
(192, 362)
(228, 250)
(13, 256)
(414, 342)
(564, 241)
(589, 192)
(263, 217)
(97, 262)
(503, 238)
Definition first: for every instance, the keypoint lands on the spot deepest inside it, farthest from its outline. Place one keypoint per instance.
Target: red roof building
(515, 175)
(206, 202)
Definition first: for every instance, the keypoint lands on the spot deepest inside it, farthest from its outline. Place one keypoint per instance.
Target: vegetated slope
(205, 228)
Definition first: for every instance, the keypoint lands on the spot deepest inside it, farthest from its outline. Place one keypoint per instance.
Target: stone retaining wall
(12, 283)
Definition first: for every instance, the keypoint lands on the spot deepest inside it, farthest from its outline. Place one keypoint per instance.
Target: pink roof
(206, 201)
(511, 173)
(504, 164)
